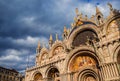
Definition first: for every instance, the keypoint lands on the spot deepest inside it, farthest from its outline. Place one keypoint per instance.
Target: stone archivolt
(89, 51)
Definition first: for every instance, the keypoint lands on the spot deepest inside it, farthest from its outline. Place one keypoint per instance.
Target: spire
(38, 49)
(51, 39)
(110, 6)
(56, 36)
(65, 29)
(39, 44)
(77, 11)
(97, 10)
(99, 16)
(65, 32)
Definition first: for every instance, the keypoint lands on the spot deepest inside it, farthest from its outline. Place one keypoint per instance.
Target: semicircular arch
(49, 68)
(108, 22)
(80, 51)
(43, 54)
(116, 53)
(86, 73)
(35, 73)
(57, 47)
(91, 27)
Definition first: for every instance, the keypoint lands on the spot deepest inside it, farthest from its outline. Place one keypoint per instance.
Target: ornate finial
(77, 11)
(97, 10)
(110, 6)
(50, 41)
(92, 18)
(56, 36)
(72, 25)
(38, 44)
(65, 29)
(50, 38)
(38, 48)
(65, 32)
(80, 16)
(79, 22)
(75, 19)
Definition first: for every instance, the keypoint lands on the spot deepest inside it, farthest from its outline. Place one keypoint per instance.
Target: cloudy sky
(24, 22)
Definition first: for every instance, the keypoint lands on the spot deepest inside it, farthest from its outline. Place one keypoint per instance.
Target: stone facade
(89, 51)
(10, 75)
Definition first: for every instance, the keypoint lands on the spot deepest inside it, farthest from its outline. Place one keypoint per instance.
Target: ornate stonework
(89, 51)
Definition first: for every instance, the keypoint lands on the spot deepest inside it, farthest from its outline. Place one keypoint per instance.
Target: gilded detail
(80, 62)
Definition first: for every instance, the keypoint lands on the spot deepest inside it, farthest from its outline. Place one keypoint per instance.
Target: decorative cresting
(88, 75)
(113, 26)
(38, 77)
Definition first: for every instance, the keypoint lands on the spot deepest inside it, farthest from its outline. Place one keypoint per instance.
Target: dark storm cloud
(24, 22)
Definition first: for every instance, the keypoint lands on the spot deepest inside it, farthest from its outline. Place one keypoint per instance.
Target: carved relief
(84, 36)
(38, 77)
(90, 78)
(80, 62)
(114, 26)
(44, 56)
(57, 50)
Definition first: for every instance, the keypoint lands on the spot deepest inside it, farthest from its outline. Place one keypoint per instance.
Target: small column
(108, 69)
(106, 72)
(112, 68)
(116, 69)
(111, 72)
(102, 72)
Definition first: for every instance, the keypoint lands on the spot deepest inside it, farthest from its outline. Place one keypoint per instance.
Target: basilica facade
(89, 51)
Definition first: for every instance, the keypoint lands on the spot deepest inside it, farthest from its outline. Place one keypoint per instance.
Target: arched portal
(88, 75)
(85, 66)
(53, 75)
(38, 77)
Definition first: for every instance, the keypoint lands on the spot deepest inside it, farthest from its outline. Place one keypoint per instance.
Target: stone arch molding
(34, 73)
(55, 45)
(105, 28)
(115, 53)
(49, 68)
(92, 27)
(80, 51)
(87, 72)
(43, 51)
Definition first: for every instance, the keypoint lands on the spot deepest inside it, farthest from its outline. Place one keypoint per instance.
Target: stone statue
(110, 6)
